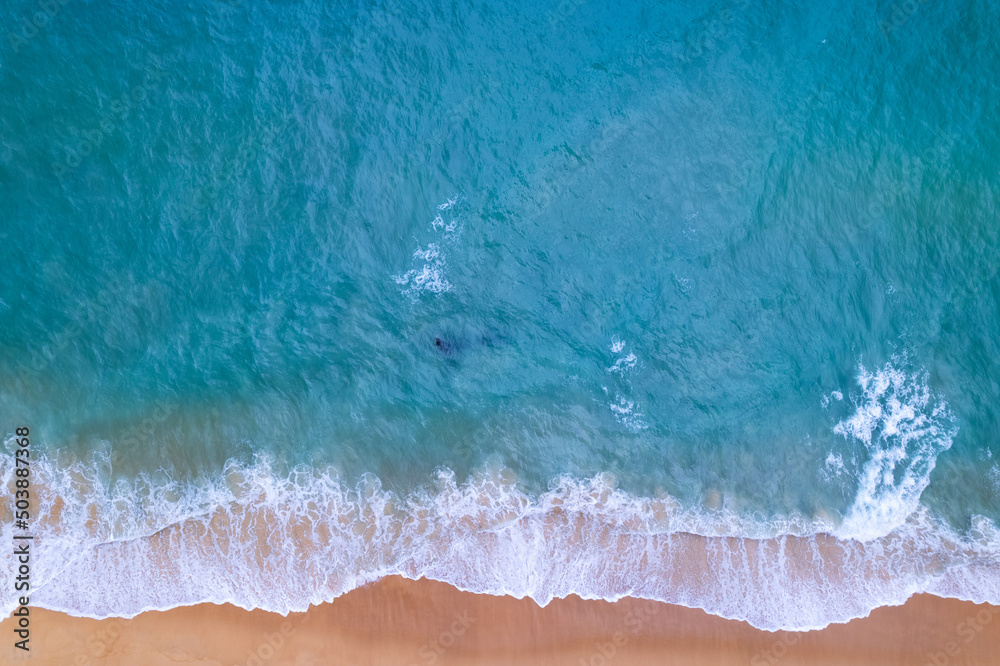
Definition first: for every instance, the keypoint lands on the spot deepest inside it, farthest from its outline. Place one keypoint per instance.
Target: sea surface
(690, 301)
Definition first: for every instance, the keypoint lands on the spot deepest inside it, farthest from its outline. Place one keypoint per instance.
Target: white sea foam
(834, 466)
(260, 539)
(625, 411)
(834, 395)
(429, 275)
(623, 364)
(447, 227)
(904, 428)
(624, 408)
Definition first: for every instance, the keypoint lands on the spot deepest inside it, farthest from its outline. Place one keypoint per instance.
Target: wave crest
(904, 427)
(260, 539)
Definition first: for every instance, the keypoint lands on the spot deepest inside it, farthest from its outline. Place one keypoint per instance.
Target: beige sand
(400, 622)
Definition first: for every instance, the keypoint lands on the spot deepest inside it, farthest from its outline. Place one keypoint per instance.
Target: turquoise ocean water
(690, 301)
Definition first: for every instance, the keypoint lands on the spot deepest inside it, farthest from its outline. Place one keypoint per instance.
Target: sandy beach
(402, 622)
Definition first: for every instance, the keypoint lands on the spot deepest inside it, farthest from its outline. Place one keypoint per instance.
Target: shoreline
(397, 621)
(258, 538)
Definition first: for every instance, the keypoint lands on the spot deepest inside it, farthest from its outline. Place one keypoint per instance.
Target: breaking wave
(257, 539)
(261, 536)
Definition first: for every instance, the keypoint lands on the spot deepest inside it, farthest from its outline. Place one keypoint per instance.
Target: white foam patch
(623, 408)
(623, 364)
(447, 227)
(429, 273)
(834, 466)
(617, 345)
(835, 395)
(429, 277)
(994, 477)
(904, 428)
(258, 538)
(625, 411)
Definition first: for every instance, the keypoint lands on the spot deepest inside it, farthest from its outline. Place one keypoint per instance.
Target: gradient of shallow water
(741, 257)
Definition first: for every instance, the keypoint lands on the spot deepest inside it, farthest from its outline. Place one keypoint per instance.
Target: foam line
(280, 543)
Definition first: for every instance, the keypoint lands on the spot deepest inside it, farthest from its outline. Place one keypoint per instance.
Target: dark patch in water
(457, 344)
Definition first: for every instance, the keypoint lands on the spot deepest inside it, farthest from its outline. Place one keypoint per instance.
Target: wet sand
(400, 622)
